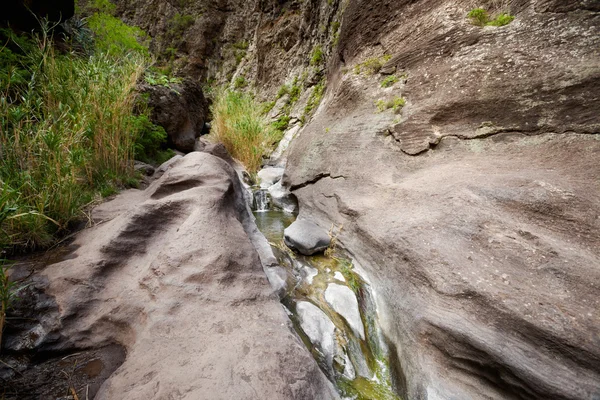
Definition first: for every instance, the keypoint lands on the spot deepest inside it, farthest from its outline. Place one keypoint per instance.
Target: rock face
(306, 237)
(181, 109)
(474, 208)
(190, 303)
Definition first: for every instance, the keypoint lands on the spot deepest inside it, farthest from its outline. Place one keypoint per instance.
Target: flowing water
(333, 311)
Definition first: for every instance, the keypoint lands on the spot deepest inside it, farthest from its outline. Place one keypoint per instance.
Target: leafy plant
(481, 17)
(241, 45)
(281, 123)
(314, 100)
(389, 81)
(158, 79)
(115, 38)
(9, 291)
(316, 57)
(371, 65)
(501, 20)
(240, 82)
(65, 129)
(478, 16)
(395, 104)
(179, 24)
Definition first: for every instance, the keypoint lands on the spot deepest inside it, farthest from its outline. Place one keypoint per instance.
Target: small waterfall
(262, 201)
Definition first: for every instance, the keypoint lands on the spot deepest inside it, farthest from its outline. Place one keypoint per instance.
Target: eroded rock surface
(474, 208)
(180, 109)
(190, 303)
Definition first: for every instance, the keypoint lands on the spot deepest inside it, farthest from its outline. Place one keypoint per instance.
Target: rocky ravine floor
(170, 279)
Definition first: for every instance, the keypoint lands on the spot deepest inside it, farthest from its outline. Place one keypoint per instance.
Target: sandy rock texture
(474, 209)
(171, 275)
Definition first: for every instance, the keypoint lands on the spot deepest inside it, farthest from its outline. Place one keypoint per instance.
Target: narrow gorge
(425, 226)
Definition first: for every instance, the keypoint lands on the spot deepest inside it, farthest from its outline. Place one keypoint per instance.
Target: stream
(332, 309)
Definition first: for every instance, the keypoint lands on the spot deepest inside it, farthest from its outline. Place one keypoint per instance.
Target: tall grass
(239, 123)
(66, 133)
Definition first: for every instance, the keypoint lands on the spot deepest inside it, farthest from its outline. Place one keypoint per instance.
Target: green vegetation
(241, 45)
(481, 17)
(239, 124)
(371, 65)
(9, 291)
(179, 24)
(317, 56)
(115, 38)
(67, 127)
(335, 31)
(240, 82)
(395, 104)
(389, 81)
(268, 106)
(160, 79)
(314, 100)
(282, 123)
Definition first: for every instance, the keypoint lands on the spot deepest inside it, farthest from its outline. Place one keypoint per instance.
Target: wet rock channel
(332, 307)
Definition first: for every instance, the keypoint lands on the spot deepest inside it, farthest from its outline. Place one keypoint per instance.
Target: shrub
(150, 140)
(179, 23)
(389, 81)
(317, 56)
(371, 65)
(314, 100)
(239, 82)
(478, 16)
(501, 20)
(241, 45)
(66, 134)
(481, 17)
(281, 123)
(238, 123)
(395, 104)
(115, 38)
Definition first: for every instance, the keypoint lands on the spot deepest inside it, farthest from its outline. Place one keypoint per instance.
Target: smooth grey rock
(282, 198)
(144, 168)
(306, 237)
(318, 327)
(268, 176)
(342, 299)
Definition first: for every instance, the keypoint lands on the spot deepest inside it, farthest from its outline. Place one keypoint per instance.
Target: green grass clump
(371, 65)
(389, 81)
(241, 45)
(67, 129)
(481, 17)
(240, 82)
(239, 124)
(179, 24)
(317, 56)
(314, 100)
(160, 79)
(395, 104)
(501, 20)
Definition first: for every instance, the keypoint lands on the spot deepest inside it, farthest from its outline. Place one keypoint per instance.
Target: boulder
(190, 304)
(180, 109)
(282, 198)
(342, 299)
(318, 327)
(306, 237)
(268, 176)
(143, 168)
